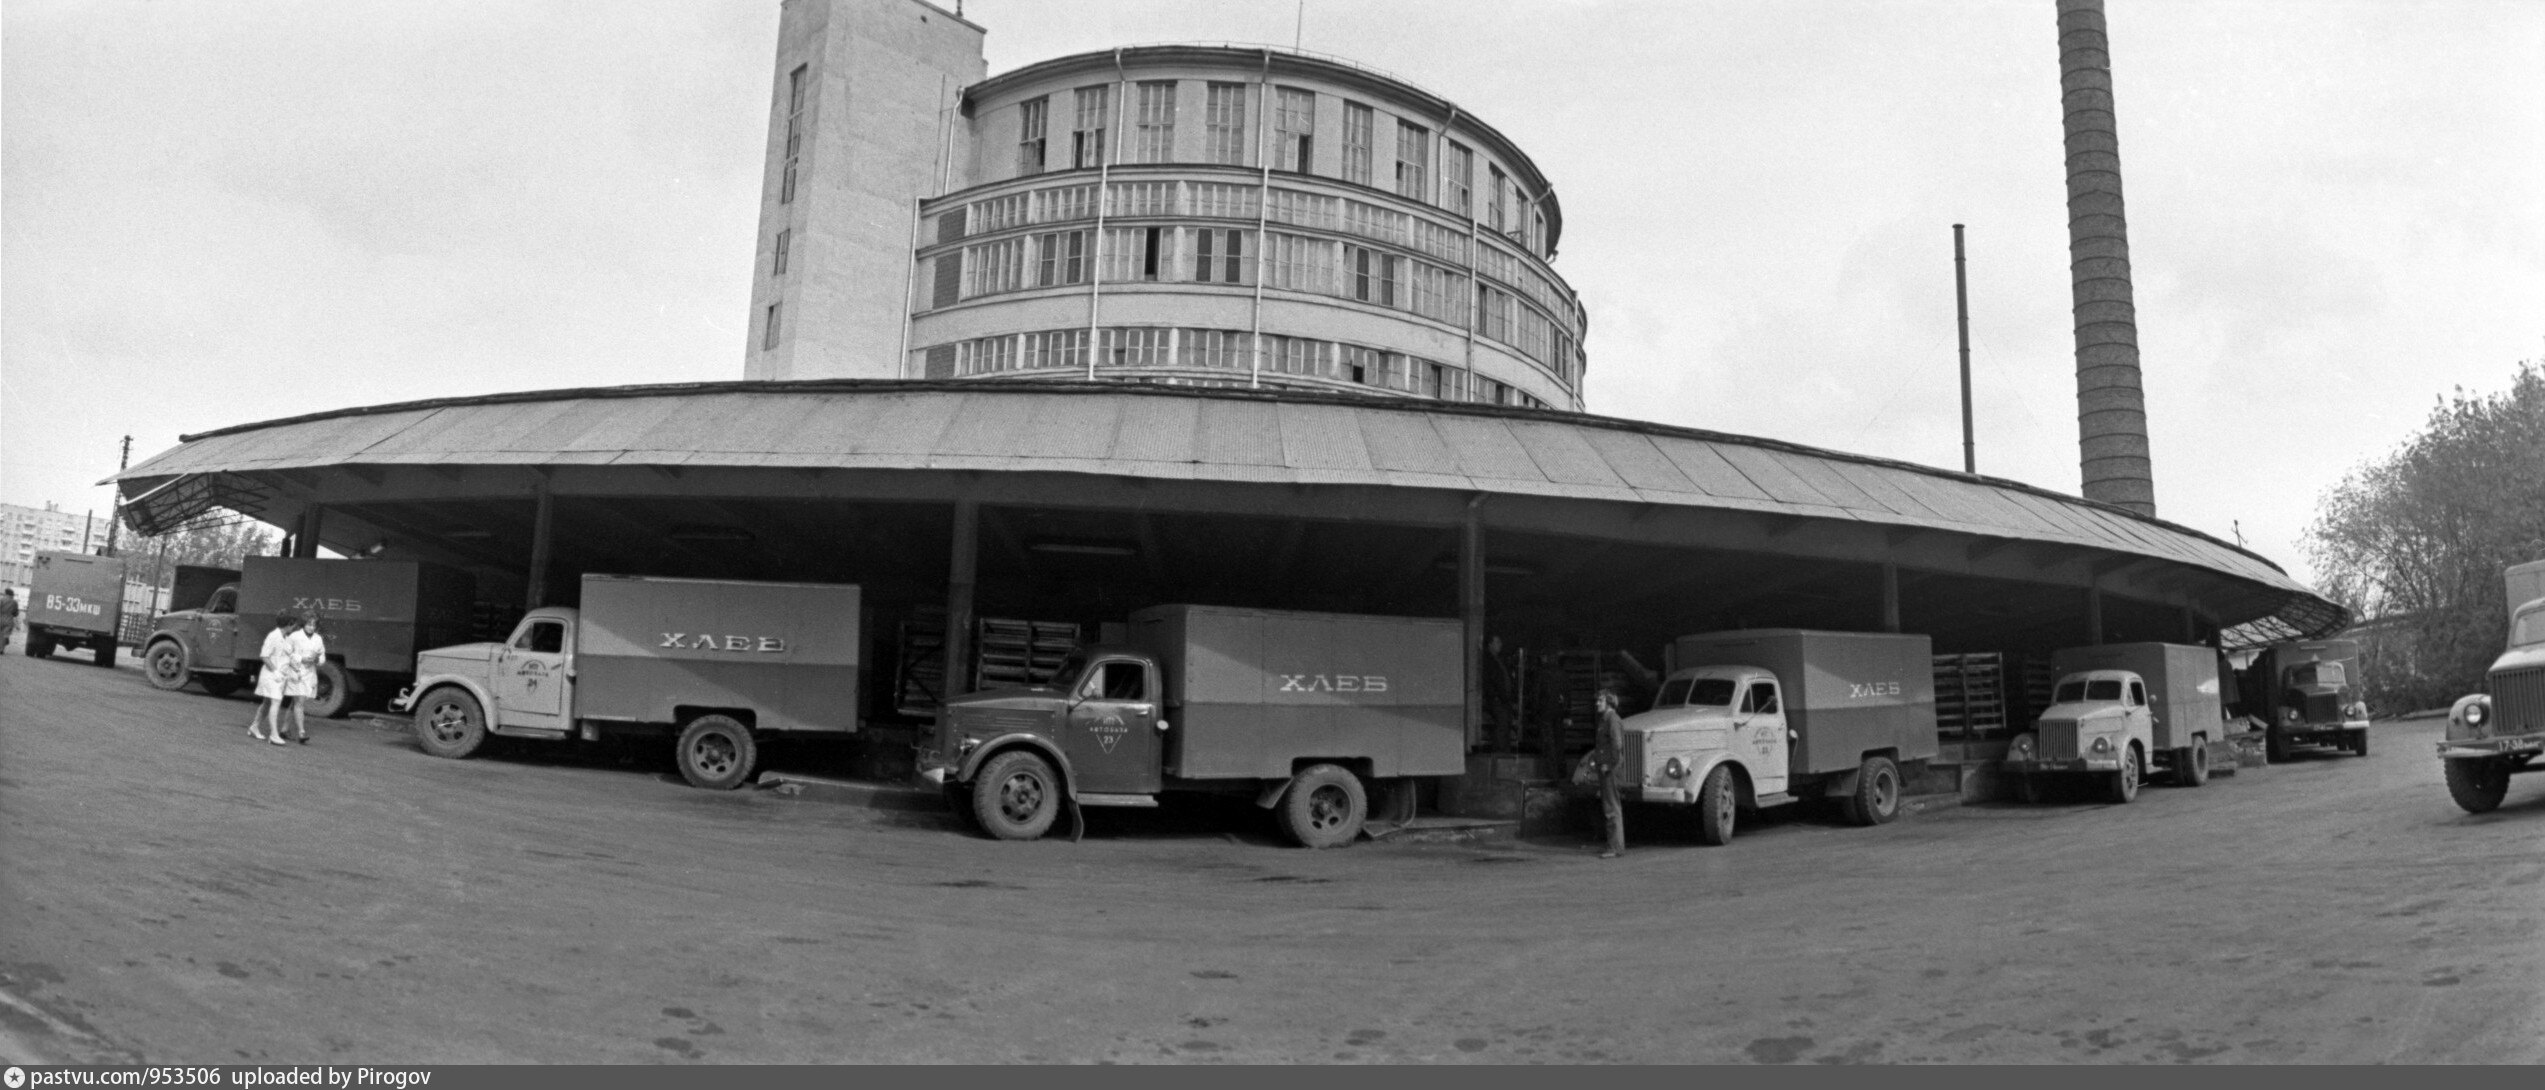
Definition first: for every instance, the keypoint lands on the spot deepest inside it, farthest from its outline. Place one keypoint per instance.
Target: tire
(39, 647)
(106, 652)
(1718, 805)
(1324, 807)
(716, 752)
(1876, 799)
(164, 664)
(338, 688)
(2124, 784)
(2477, 783)
(2029, 788)
(2275, 749)
(449, 723)
(2358, 742)
(2191, 764)
(1016, 795)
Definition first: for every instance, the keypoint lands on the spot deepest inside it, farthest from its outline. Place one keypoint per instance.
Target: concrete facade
(1385, 241)
(861, 93)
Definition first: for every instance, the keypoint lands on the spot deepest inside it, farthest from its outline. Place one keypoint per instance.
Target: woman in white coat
(277, 677)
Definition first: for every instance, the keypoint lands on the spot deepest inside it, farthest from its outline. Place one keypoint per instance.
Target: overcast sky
(220, 212)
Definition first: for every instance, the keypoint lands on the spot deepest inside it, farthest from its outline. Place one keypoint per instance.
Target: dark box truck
(2307, 692)
(75, 600)
(1304, 711)
(374, 614)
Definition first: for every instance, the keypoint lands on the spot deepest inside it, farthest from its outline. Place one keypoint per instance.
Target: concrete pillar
(535, 592)
(2094, 616)
(1471, 612)
(1890, 597)
(962, 570)
(305, 537)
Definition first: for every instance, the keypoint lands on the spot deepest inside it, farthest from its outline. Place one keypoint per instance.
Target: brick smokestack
(2111, 411)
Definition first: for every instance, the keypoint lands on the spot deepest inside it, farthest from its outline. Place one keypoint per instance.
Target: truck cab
(1100, 726)
(2098, 724)
(2500, 732)
(521, 687)
(194, 644)
(1702, 719)
(2309, 692)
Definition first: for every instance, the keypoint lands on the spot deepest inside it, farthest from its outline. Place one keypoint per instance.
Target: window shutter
(950, 225)
(949, 287)
(941, 361)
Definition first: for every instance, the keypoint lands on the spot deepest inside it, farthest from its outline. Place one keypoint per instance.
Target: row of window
(1507, 209)
(1130, 347)
(1211, 255)
(1228, 200)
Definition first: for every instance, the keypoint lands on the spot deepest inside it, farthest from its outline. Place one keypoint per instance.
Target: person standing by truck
(1609, 752)
(274, 679)
(307, 650)
(8, 615)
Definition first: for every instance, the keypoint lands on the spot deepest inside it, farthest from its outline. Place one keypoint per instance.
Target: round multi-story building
(1230, 216)
(1184, 214)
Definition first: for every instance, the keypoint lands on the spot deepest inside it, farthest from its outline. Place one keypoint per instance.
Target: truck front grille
(1630, 759)
(2323, 707)
(2518, 701)
(2058, 740)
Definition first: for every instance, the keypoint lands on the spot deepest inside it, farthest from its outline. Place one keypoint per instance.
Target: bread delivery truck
(1306, 712)
(721, 665)
(75, 600)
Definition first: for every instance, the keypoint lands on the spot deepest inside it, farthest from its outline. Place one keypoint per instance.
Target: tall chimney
(2111, 412)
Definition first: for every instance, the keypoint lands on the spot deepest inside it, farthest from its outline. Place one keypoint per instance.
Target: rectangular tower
(857, 130)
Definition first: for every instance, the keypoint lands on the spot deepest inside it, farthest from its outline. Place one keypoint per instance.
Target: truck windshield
(2530, 629)
(1695, 692)
(2103, 690)
(2069, 693)
(2316, 673)
(1067, 672)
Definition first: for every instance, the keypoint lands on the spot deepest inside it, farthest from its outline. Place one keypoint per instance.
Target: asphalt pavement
(172, 892)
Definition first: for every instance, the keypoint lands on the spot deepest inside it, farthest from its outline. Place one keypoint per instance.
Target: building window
(1031, 118)
(1373, 274)
(1300, 263)
(1087, 141)
(1134, 253)
(1060, 258)
(1358, 123)
(1413, 161)
(1219, 256)
(1294, 130)
(1361, 365)
(1493, 309)
(1458, 173)
(993, 267)
(1217, 348)
(777, 253)
(769, 331)
(1139, 347)
(1156, 133)
(1494, 218)
(1225, 123)
(985, 355)
(794, 132)
(1299, 356)
(1057, 348)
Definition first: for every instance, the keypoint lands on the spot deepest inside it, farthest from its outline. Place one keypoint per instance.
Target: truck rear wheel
(106, 651)
(2477, 783)
(1876, 799)
(716, 752)
(1324, 807)
(448, 723)
(165, 665)
(1717, 807)
(337, 690)
(2191, 764)
(2124, 784)
(39, 647)
(1016, 796)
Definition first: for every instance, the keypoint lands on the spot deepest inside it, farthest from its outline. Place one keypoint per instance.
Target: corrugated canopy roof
(1183, 433)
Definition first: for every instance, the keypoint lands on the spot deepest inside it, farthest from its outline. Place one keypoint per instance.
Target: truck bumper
(938, 775)
(2081, 764)
(2517, 745)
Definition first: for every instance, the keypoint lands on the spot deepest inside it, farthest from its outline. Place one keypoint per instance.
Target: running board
(530, 732)
(1773, 798)
(1089, 799)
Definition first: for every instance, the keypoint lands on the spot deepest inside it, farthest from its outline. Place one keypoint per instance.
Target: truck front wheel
(1016, 796)
(1324, 807)
(2275, 747)
(1877, 796)
(2359, 742)
(2477, 783)
(337, 690)
(1717, 806)
(716, 752)
(165, 665)
(2124, 784)
(448, 723)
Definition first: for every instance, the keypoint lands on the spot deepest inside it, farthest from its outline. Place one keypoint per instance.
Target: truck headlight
(1675, 770)
(2021, 749)
(2289, 716)
(2475, 714)
(2103, 744)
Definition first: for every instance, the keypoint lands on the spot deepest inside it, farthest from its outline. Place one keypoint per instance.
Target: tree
(220, 539)
(2415, 543)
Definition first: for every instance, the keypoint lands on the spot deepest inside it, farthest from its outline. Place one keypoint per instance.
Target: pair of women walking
(291, 656)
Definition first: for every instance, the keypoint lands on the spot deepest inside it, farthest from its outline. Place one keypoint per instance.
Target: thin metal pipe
(1962, 314)
(1104, 200)
(1263, 236)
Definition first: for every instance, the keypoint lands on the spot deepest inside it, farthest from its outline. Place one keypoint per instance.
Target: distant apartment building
(24, 531)
(1185, 214)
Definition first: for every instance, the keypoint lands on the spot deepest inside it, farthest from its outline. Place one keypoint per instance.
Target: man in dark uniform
(8, 616)
(1608, 753)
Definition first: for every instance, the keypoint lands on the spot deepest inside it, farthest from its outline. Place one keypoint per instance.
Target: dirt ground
(173, 892)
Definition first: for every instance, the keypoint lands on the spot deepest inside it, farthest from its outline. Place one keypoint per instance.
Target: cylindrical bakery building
(1233, 216)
